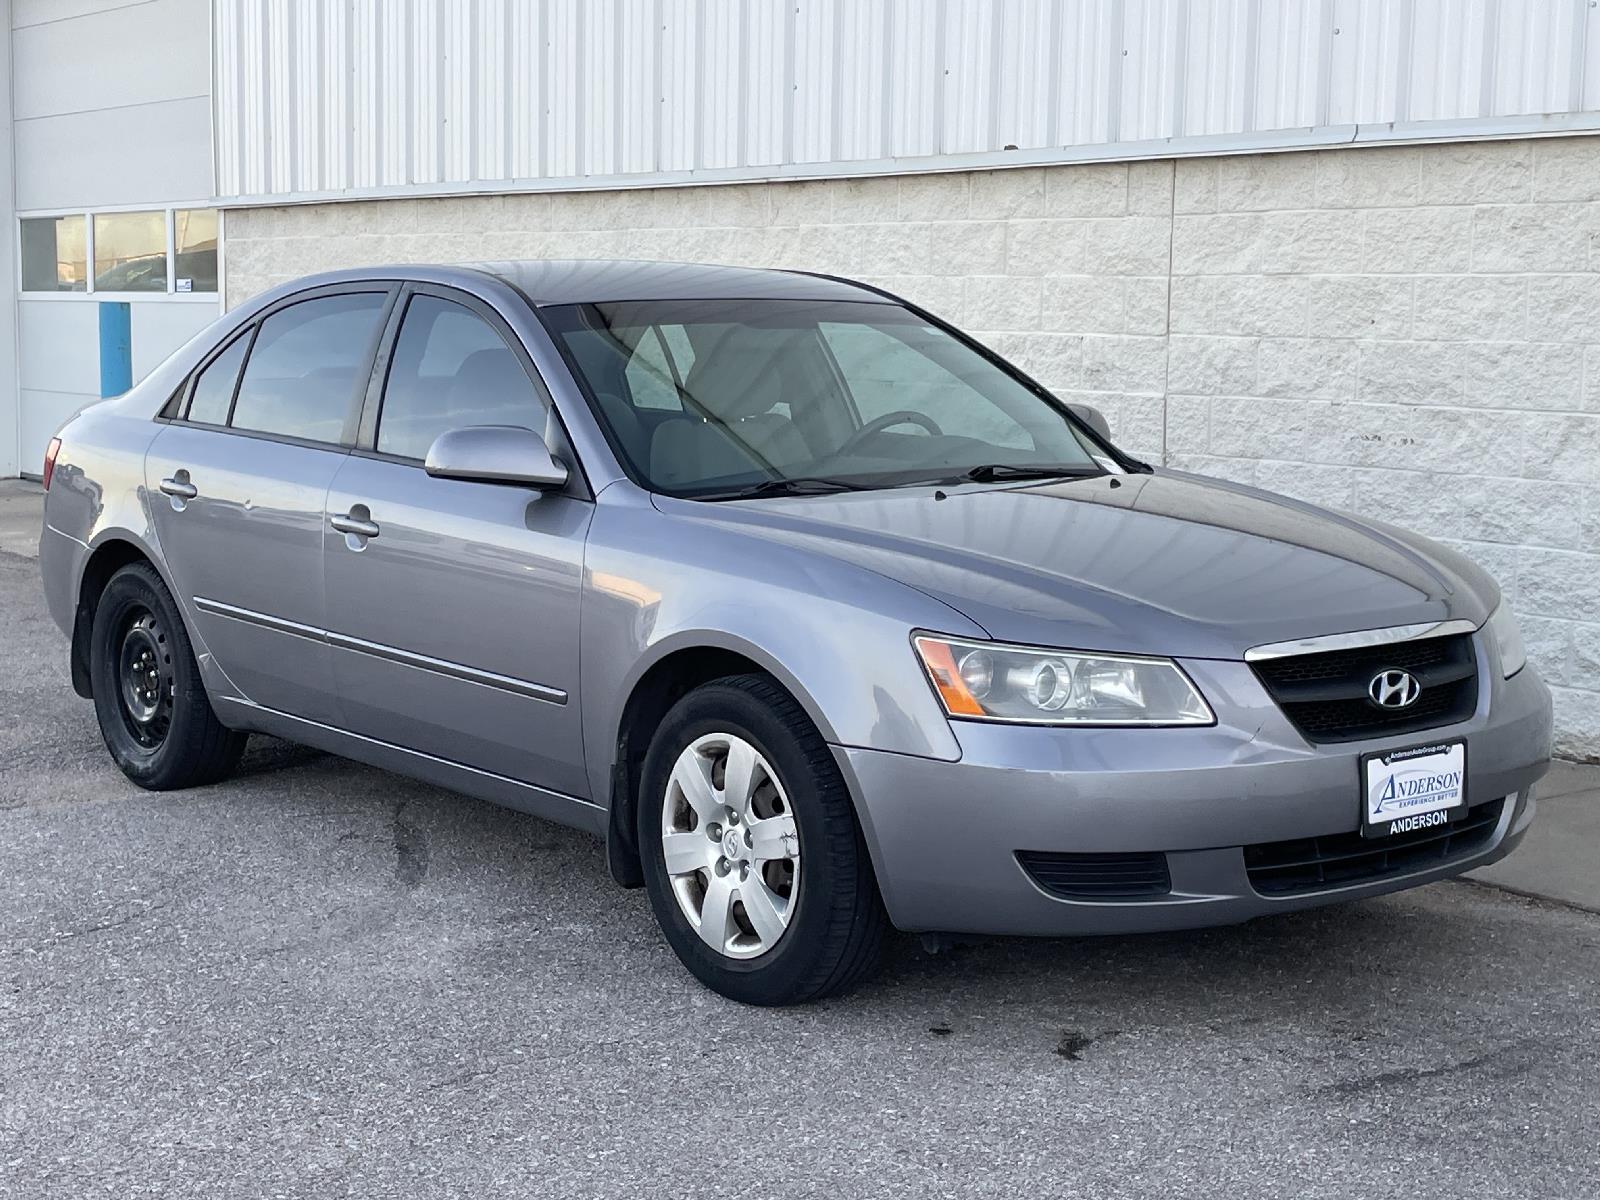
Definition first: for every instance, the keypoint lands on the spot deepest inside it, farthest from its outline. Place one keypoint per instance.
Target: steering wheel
(903, 416)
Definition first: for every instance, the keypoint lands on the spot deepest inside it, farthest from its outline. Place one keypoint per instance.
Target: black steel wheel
(144, 678)
(151, 703)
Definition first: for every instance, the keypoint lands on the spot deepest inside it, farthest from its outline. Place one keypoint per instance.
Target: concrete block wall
(1412, 333)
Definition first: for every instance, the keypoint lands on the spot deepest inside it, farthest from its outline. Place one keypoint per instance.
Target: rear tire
(803, 919)
(153, 710)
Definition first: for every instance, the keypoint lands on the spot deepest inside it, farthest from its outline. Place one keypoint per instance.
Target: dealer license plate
(1417, 788)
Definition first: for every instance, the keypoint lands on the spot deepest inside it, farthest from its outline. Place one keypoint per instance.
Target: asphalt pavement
(319, 979)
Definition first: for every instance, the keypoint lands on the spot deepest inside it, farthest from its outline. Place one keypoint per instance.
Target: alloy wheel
(731, 846)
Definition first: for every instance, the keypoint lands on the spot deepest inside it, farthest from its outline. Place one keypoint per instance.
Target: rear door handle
(354, 523)
(180, 486)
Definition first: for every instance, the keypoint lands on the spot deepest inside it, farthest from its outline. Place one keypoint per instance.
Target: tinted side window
(450, 369)
(213, 389)
(306, 365)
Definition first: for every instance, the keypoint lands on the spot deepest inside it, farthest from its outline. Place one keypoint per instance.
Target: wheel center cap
(732, 844)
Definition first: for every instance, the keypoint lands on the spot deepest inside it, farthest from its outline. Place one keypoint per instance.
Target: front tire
(153, 710)
(753, 860)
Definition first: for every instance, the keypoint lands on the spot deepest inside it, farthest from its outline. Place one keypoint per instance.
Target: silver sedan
(823, 616)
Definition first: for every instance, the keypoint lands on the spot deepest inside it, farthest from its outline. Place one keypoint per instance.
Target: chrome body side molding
(250, 617)
(438, 666)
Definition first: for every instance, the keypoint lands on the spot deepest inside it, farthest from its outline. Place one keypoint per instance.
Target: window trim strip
(1359, 639)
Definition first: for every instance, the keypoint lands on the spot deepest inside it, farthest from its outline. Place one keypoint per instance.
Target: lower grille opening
(1312, 864)
(1097, 876)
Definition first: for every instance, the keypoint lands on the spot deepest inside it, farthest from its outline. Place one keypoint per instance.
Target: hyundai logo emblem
(1394, 689)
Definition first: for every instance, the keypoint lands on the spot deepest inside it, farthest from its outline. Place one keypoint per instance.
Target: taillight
(50, 460)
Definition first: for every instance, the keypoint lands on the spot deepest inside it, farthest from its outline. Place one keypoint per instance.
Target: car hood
(1163, 563)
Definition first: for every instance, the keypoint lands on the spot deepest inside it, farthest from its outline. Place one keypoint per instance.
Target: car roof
(598, 281)
(544, 282)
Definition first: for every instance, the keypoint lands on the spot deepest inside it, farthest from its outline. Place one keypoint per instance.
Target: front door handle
(180, 486)
(356, 522)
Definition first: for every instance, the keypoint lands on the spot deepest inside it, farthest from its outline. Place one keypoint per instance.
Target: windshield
(716, 398)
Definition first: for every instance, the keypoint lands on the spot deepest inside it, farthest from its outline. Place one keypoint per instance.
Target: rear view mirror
(495, 454)
(1093, 418)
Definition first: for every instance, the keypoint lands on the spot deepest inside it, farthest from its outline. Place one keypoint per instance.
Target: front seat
(490, 388)
(741, 384)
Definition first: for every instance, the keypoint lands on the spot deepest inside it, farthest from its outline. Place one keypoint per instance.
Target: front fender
(836, 635)
(713, 637)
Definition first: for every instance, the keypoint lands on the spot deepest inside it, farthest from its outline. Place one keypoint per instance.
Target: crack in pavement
(465, 1077)
(1535, 897)
(411, 851)
(103, 926)
(472, 1074)
(1511, 1057)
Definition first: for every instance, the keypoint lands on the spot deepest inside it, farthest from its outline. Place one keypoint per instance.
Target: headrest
(486, 375)
(743, 374)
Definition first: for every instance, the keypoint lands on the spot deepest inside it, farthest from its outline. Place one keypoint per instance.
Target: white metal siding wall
(316, 97)
(111, 105)
(10, 403)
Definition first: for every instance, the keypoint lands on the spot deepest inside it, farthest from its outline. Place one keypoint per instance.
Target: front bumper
(944, 836)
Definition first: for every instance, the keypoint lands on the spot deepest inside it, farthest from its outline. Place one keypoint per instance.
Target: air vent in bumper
(1347, 859)
(1097, 876)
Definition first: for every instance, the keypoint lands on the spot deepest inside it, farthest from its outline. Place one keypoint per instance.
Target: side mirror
(1093, 418)
(495, 454)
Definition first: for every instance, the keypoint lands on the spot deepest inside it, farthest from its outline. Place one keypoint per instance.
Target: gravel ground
(322, 980)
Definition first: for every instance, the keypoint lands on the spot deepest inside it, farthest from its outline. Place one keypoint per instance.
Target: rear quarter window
(213, 387)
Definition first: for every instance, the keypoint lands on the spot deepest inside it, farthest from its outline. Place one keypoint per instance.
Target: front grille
(1325, 695)
(1097, 876)
(1311, 864)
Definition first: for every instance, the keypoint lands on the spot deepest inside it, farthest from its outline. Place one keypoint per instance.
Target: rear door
(238, 487)
(452, 605)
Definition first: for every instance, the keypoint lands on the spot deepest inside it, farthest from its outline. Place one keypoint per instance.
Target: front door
(238, 488)
(453, 606)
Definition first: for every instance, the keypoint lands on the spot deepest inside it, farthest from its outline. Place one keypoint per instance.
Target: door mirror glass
(1093, 418)
(495, 454)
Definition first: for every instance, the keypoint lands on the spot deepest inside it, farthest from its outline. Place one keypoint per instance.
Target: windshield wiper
(800, 485)
(998, 472)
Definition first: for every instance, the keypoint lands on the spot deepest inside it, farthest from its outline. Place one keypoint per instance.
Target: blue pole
(116, 347)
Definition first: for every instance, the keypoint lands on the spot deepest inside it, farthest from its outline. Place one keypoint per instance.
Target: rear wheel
(753, 859)
(153, 710)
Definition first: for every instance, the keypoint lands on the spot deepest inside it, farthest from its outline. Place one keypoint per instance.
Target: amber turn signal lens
(941, 667)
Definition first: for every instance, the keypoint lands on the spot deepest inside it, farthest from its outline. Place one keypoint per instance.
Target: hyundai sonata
(822, 615)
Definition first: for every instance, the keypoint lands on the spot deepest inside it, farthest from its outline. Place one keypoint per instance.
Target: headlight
(986, 681)
(1502, 627)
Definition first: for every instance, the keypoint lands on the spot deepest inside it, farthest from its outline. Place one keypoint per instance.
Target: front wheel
(755, 865)
(152, 707)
